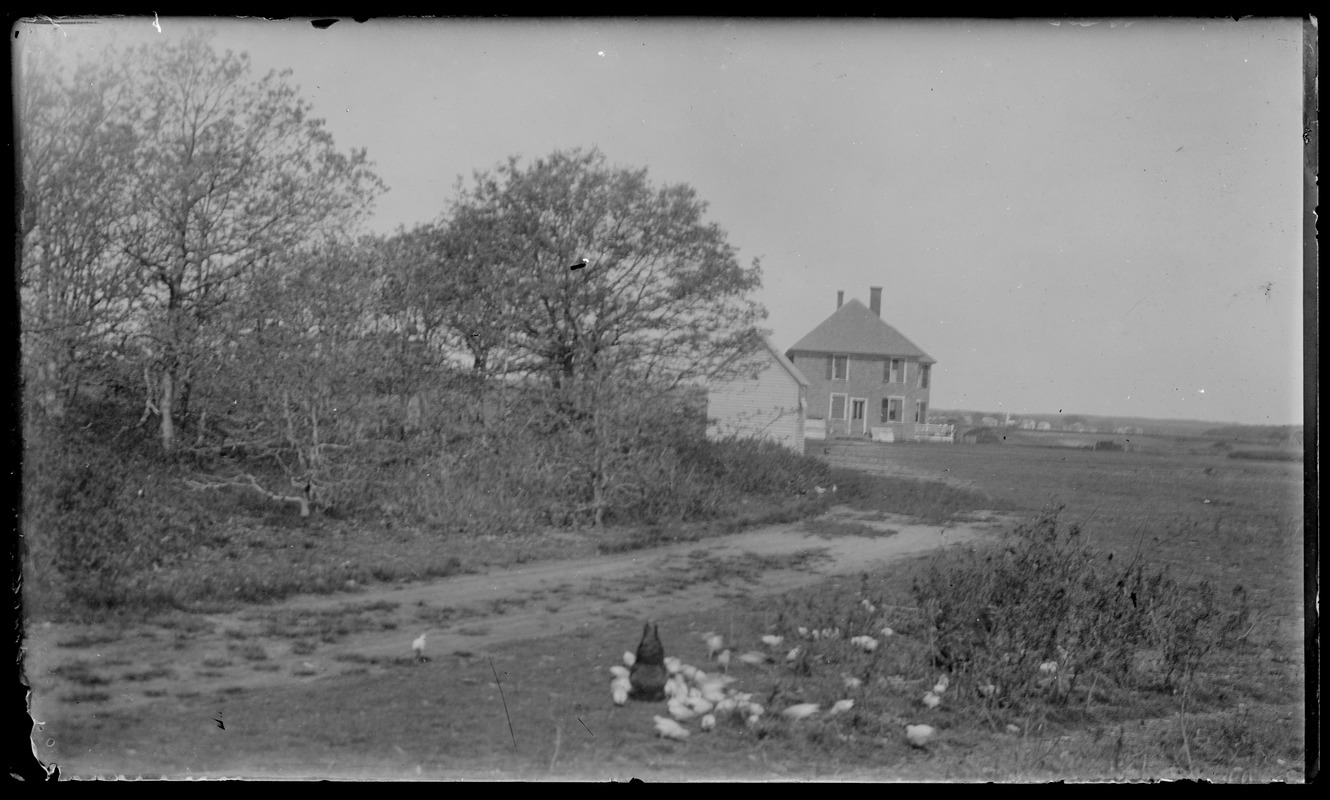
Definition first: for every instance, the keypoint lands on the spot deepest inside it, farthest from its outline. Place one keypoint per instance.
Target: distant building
(1027, 424)
(864, 376)
(1044, 426)
(767, 401)
(989, 421)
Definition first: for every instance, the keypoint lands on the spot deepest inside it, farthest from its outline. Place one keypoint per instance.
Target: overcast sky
(1093, 219)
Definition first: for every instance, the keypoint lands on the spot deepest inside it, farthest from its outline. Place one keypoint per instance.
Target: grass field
(540, 709)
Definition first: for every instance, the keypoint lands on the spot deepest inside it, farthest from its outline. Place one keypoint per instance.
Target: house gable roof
(855, 329)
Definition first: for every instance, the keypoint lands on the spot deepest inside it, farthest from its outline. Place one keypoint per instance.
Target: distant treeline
(1258, 433)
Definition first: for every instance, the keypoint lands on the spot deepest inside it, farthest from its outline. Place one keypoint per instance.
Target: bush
(1046, 615)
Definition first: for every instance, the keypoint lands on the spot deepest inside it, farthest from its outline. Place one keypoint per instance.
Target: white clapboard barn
(767, 400)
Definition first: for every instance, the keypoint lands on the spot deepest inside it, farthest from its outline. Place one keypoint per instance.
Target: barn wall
(766, 406)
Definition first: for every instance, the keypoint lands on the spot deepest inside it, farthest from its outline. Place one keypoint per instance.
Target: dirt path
(78, 670)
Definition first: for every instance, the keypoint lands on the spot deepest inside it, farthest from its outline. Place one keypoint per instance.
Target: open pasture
(1212, 517)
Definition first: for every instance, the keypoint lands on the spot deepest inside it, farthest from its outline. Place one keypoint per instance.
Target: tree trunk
(164, 408)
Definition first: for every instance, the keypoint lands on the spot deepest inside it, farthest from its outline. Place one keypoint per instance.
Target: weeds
(1045, 616)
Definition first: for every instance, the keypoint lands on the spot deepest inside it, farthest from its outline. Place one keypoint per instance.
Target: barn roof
(780, 359)
(787, 364)
(856, 329)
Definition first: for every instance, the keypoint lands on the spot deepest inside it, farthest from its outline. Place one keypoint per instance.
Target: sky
(1089, 218)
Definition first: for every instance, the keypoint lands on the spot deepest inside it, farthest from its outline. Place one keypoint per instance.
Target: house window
(892, 370)
(837, 406)
(891, 408)
(921, 411)
(923, 376)
(840, 368)
(857, 409)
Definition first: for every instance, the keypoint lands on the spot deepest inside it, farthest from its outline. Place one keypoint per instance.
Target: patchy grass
(153, 673)
(1237, 717)
(933, 501)
(680, 573)
(828, 529)
(85, 697)
(249, 652)
(81, 672)
(325, 625)
(89, 639)
(447, 716)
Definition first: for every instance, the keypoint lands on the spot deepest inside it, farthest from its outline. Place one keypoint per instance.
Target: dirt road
(79, 671)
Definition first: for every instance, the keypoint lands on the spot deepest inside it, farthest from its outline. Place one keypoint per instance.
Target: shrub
(1046, 614)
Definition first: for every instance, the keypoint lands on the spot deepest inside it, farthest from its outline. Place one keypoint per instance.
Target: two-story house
(863, 374)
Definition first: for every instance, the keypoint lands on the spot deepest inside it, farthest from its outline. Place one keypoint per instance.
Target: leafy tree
(661, 303)
(230, 172)
(77, 291)
(663, 296)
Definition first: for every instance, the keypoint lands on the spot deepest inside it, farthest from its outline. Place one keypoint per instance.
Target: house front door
(858, 423)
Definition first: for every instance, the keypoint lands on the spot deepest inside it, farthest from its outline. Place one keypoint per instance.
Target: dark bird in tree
(580, 264)
(648, 674)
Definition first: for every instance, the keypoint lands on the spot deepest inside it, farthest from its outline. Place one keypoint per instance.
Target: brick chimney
(875, 299)
(840, 298)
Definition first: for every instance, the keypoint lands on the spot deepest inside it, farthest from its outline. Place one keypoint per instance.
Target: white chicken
(629, 658)
(919, 735)
(708, 722)
(680, 710)
(619, 672)
(801, 711)
(754, 658)
(724, 660)
(943, 682)
(619, 691)
(699, 704)
(418, 647)
(670, 729)
(771, 640)
(852, 682)
(713, 693)
(672, 664)
(715, 643)
(842, 706)
(792, 655)
(932, 700)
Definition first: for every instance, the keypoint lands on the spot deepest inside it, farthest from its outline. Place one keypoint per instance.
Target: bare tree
(230, 172)
(297, 378)
(77, 290)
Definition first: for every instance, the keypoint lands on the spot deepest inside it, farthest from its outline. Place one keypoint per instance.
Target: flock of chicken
(649, 675)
